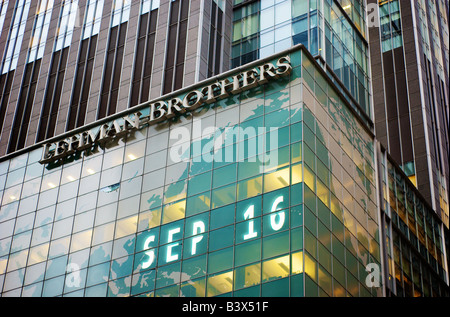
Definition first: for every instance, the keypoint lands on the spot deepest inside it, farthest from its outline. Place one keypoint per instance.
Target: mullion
(218, 41)
(29, 105)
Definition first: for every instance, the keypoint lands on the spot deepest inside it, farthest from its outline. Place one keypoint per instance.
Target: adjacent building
(410, 65)
(223, 148)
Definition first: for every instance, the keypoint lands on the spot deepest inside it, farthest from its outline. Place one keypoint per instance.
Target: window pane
(276, 180)
(275, 268)
(297, 263)
(247, 276)
(223, 196)
(174, 211)
(249, 188)
(220, 284)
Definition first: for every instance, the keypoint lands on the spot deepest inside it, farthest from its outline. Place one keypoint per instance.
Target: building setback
(208, 148)
(96, 58)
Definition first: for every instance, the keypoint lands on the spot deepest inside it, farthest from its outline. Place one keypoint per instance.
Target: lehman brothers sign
(162, 110)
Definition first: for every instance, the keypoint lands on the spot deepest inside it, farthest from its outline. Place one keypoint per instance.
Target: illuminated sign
(162, 110)
(170, 238)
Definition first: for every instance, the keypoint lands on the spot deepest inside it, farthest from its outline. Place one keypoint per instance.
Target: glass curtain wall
(327, 29)
(275, 197)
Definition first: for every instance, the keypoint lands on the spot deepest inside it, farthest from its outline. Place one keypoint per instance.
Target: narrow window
(49, 113)
(82, 82)
(114, 59)
(173, 73)
(12, 50)
(145, 46)
(24, 108)
(215, 38)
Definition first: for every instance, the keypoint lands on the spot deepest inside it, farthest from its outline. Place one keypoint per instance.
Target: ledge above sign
(163, 110)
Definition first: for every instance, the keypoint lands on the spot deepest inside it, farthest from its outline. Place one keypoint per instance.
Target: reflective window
(68, 20)
(391, 29)
(121, 12)
(16, 35)
(149, 5)
(40, 31)
(3, 7)
(93, 18)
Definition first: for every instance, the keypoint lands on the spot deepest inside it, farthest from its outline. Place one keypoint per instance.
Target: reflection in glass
(11, 194)
(134, 151)
(71, 173)
(275, 268)
(247, 276)
(195, 288)
(220, 284)
(103, 233)
(223, 196)
(276, 180)
(125, 227)
(149, 219)
(92, 166)
(38, 254)
(249, 188)
(81, 240)
(310, 267)
(175, 191)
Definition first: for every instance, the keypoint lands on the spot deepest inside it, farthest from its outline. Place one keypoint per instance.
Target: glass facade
(265, 27)
(273, 193)
(346, 55)
(334, 31)
(121, 12)
(414, 244)
(3, 7)
(355, 10)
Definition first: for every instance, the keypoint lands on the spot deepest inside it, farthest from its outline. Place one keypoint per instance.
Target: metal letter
(160, 107)
(150, 254)
(198, 100)
(285, 64)
(199, 227)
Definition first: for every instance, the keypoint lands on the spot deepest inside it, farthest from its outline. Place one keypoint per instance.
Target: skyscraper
(410, 65)
(410, 60)
(223, 148)
(101, 57)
